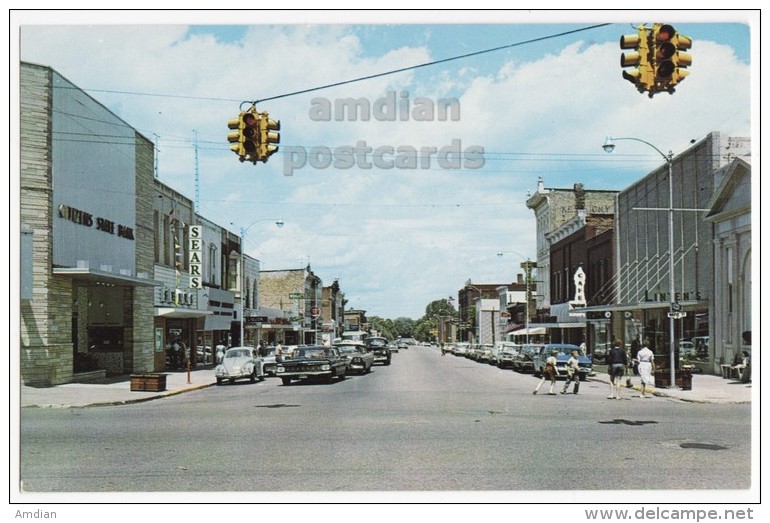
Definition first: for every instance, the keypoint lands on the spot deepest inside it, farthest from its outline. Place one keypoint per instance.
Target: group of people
(617, 362)
(549, 373)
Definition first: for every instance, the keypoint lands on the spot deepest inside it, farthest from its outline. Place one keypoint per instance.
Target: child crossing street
(573, 374)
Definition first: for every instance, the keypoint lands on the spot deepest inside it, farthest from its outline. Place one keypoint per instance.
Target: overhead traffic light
(245, 138)
(269, 136)
(668, 60)
(657, 54)
(642, 77)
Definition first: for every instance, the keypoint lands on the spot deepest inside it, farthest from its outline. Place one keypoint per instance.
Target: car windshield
(567, 351)
(238, 353)
(349, 349)
(377, 342)
(309, 353)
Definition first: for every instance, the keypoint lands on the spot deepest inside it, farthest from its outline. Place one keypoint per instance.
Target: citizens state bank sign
(196, 257)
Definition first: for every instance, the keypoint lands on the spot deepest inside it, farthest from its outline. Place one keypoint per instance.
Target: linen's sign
(196, 257)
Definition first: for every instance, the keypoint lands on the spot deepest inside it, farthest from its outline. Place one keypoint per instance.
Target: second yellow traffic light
(657, 53)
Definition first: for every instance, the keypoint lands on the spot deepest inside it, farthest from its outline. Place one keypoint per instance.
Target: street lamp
(529, 277)
(244, 230)
(608, 147)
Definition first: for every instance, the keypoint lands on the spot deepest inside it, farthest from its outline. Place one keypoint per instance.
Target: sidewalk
(117, 391)
(706, 388)
(113, 391)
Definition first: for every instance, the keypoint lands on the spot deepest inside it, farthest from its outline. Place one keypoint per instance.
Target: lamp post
(608, 147)
(528, 298)
(244, 230)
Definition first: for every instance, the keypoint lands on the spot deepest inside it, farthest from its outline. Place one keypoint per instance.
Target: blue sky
(396, 238)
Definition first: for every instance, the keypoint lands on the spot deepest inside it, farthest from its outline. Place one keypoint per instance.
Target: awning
(532, 331)
(92, 275)
(559, 325)
(177, 312)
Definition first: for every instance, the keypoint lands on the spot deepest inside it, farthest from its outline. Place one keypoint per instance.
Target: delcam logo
(389, 108)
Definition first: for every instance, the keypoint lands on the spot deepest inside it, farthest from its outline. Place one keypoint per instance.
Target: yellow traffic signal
(668, 60)
(245, 138)
(269, 137)
(642, 77)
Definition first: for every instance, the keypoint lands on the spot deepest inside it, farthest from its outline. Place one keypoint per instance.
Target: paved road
(425, 423)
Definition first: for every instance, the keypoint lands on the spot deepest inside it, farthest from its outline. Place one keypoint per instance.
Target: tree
(404, 327)
(384, 327)
(442, 307)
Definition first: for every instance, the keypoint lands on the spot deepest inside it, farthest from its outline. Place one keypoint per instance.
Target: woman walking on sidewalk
(646, 363)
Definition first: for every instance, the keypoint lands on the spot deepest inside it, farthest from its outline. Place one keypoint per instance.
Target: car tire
(387, 362)
(253, 376)
(286, 381)
(219, 381)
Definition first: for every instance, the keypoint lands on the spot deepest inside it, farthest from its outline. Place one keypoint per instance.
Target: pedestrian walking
(617, 361)
(645, 361)
(573, 374)
(549, 372)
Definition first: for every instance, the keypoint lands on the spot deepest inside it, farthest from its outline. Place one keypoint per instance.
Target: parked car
(393, 346)
(407, 342)
(380, 349)
(359, 358)
(686, 348)
(240, 363)
(504, 353)
(522, 361)
(461, 349)
(312, 362)
(483, 353)
(564, 353)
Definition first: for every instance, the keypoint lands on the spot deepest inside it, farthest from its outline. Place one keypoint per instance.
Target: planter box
(683, 378)
(148, 382)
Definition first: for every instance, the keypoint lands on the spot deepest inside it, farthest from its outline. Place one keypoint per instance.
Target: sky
(397, 235)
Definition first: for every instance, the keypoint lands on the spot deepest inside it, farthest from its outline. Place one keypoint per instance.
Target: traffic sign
(677, 315)
(315, 312)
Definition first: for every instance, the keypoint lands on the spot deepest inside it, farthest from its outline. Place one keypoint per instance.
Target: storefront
(86, 309)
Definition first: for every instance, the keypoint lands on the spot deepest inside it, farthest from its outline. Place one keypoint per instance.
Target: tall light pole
(244, 230)
(608, 147)
(528, 298)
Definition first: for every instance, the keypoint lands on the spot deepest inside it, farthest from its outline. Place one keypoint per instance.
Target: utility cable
(426, 64)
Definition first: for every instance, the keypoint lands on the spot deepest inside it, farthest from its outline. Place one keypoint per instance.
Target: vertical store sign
(196, 257)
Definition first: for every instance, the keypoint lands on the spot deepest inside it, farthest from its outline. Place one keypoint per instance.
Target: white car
(240, 363)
